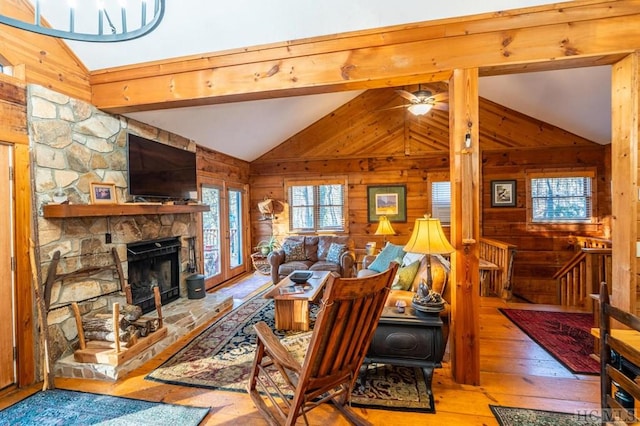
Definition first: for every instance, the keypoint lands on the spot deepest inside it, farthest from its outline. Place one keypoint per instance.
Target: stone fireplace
(154, 263)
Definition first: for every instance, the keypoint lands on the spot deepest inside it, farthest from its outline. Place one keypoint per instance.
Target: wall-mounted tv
(159, 170)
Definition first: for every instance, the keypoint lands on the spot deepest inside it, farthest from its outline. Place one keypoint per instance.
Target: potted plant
(267, 246)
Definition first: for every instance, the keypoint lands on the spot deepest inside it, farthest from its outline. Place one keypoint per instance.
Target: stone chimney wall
(74, 144)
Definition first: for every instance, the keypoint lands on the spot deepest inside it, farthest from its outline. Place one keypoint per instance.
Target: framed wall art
(390, 201)
(103, 193)
(503, 193)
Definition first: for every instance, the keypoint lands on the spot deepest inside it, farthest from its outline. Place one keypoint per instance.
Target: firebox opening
(154, 263)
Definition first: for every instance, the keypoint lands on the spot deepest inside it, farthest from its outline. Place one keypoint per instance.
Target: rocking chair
(346, 322)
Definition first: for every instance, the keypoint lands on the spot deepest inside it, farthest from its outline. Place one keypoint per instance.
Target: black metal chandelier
(102, 28)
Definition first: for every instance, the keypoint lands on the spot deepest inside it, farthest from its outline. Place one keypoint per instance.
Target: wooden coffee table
(292, 310)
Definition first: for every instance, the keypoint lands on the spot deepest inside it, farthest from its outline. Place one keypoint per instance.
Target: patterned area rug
(61, 407)
(221, 357)
(565, 335)
(511, 416)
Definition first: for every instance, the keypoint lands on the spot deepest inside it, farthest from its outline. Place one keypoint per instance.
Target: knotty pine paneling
(542, 249)
(49, 61)
(516, 143)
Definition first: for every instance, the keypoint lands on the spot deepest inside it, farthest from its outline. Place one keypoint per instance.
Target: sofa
(413, 269)
(334, 253)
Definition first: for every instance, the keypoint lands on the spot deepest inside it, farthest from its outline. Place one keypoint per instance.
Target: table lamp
(428, 238)
(384, 229)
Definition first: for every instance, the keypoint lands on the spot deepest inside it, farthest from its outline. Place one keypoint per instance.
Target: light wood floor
(514, 372)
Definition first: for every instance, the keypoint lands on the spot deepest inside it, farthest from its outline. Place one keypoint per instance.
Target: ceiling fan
(422, 101)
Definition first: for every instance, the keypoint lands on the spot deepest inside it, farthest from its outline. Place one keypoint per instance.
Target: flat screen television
(159, 170)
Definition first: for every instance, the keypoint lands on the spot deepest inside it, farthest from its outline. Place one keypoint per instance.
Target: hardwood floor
(515, 372)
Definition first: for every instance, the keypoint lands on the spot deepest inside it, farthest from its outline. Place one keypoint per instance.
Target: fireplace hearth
(154, 263)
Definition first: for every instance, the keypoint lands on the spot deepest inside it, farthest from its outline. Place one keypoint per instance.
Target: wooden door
(223, 234)
(7, 281)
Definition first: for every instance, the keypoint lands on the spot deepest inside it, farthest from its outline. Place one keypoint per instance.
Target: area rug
(565, 335)
(512, 416)
(221, 357)
(63, 407)
(246, 287)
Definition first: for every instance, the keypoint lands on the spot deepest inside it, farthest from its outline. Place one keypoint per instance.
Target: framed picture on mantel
(103, 193)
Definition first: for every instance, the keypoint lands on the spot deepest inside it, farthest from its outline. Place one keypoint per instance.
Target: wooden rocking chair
(346, 322)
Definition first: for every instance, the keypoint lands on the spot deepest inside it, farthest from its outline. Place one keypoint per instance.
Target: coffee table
(292, 310)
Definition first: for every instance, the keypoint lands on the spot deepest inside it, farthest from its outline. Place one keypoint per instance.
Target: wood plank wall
(13, 110)
(48, 61)
(372, 145)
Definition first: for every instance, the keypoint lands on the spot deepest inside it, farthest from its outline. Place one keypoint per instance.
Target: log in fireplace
(154, 263)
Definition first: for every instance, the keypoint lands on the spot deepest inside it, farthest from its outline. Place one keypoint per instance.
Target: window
(561, 197)
(317, 205)
(441, 201)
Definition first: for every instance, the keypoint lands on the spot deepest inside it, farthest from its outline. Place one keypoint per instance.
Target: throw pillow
(409, 258)
(389, 253)
(293, 250)
(405, 276)
(335, 251)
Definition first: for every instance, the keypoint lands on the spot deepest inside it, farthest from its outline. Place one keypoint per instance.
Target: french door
(7, 277)
(223, 230)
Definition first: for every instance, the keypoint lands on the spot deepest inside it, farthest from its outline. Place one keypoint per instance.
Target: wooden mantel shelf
(86, 210)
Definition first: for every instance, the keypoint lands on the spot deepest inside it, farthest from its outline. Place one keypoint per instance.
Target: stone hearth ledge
(180, 318)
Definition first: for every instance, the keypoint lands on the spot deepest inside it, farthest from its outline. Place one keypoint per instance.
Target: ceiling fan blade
(407, 95)
(395, 107)
(440, 97)
(442, 106)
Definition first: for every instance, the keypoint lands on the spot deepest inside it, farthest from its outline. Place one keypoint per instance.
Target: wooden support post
(625, 131)
(464, 154)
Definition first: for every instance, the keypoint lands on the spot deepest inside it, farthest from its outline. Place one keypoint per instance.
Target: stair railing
(501, 254)
(582, 275)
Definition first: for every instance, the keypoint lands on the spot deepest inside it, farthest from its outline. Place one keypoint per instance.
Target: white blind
(561, 199)
(441, 201)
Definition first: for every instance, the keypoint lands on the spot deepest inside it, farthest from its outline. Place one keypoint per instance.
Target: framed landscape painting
(390, 201)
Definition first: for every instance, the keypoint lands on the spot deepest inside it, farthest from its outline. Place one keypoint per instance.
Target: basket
(260, 263)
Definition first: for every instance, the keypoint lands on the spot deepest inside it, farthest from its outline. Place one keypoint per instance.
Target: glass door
(223, 235)
(211, 235)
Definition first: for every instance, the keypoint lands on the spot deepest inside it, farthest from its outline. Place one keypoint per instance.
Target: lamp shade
(384, 227)
(428, 238)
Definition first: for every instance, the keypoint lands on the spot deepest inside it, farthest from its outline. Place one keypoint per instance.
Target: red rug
(565, 335)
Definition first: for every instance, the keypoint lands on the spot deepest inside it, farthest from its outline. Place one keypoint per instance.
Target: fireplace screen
(152, 264)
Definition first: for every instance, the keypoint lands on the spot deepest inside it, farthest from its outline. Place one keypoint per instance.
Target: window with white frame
(317, 206)
(561, 197)
(441, 201)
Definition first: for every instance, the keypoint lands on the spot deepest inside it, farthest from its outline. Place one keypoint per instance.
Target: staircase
(582, 275)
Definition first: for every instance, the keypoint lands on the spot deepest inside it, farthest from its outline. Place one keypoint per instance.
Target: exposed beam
(579, 33)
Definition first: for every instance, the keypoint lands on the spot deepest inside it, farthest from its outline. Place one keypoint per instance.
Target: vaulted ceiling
(577, 100)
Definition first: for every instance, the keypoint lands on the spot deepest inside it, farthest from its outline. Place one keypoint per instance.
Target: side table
(409, 339)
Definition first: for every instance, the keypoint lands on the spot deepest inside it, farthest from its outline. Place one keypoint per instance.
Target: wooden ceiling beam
(557, 36)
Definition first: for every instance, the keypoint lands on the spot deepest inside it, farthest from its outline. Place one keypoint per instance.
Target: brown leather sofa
(440, 269)
(317, 255)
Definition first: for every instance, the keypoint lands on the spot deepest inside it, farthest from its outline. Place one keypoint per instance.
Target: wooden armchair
(349, 314)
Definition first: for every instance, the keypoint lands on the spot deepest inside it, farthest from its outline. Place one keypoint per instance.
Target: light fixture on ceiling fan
(422, 101)
(92, 15)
